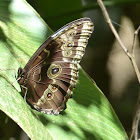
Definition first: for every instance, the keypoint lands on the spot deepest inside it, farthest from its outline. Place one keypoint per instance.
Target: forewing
(52, 72)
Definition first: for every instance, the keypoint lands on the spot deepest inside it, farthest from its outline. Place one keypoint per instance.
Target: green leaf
(88, 115)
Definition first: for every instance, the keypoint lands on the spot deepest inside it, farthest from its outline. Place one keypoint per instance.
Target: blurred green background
(104, 60)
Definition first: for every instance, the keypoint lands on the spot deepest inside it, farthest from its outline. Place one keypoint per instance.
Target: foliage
(88, 115)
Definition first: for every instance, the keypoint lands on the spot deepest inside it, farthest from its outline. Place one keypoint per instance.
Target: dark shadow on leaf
(86, 92)
(92, 136)
(63, 113)
(42, 118)
(5, 14)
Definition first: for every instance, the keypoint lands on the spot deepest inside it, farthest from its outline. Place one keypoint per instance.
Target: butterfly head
(21, 76)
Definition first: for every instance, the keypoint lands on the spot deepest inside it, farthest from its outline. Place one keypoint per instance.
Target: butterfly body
(51, 74)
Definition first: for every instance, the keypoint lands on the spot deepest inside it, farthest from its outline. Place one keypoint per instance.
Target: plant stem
(131, 56)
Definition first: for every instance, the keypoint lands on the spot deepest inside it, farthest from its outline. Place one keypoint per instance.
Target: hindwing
(52, 72)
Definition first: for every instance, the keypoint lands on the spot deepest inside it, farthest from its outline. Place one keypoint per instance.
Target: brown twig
(136, 118)
(131, 56)
(134, 40)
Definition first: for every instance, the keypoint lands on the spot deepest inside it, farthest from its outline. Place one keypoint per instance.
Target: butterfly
(48, 79)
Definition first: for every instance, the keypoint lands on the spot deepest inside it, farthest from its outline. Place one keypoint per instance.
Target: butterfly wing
(52, 72)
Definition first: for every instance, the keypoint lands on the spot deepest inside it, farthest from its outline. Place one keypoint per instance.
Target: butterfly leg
(25, 93)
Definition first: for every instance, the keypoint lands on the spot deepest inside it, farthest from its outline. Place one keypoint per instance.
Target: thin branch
(136, 118)
(135, 122)
(134, 40)
(131, 57)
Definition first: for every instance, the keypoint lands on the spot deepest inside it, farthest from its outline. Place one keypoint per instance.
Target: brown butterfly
(48, 79)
